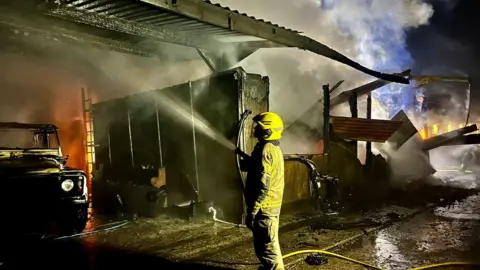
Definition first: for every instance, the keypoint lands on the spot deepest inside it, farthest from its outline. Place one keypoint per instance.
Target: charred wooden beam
(336, 86)
(368, 147)
(466, 139)
(363, 90)
(326, 119)
(447, 138)
(354, 111)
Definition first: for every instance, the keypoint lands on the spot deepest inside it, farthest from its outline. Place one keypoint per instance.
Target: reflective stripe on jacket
(265, 179)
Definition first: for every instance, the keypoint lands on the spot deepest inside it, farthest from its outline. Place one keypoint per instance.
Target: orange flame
(435, 129)
(423, 133)
(438, 128)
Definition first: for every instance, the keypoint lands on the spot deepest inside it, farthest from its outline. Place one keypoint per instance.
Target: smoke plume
(371, 32)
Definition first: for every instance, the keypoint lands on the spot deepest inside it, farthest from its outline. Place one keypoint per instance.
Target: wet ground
(391, 237)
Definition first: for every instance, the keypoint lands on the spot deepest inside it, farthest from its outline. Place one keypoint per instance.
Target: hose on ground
(93, 232)
(329, 254)
(214, 211)
(438, 265)
(372, 266)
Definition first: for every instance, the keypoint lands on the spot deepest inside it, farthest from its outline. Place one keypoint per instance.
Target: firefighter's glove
(249, 219)
(241, 153)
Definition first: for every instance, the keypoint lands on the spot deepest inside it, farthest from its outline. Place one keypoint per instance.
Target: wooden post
(326, 123)
(368, 157)
(352, 101)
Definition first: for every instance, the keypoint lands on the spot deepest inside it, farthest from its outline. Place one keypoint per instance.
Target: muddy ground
(391, 236)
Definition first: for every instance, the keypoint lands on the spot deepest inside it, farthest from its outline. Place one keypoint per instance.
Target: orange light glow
(423, 133)
(435, 129)
(89, 138)
(449, 127)
(440, 128)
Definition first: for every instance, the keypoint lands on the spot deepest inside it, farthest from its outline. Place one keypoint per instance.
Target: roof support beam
(207, 60)
(447, 138)
(364, 89)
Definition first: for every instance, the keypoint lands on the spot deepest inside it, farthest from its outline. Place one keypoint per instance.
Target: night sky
(450, 44)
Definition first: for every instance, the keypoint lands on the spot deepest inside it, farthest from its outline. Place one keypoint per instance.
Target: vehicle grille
(44, 188)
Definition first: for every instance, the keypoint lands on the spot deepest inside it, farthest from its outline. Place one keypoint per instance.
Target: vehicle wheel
(75, 223)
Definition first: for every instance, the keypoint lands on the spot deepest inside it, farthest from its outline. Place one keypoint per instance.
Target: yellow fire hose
(331, 254)
(445, 264)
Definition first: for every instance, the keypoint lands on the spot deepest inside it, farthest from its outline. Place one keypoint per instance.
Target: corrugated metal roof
(141, 12)
(360, 129)
(404, 133)
(252, 17)
(191, 23)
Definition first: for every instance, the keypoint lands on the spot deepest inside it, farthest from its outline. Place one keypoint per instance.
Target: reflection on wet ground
(433, 237)
(449, 233)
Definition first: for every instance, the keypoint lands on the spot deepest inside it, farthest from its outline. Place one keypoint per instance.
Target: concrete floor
(448, 233)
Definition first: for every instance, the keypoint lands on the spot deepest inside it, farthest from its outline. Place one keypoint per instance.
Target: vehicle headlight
(67, 185)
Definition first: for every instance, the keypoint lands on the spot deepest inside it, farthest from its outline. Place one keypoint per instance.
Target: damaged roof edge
(18, 125)
(223, 17)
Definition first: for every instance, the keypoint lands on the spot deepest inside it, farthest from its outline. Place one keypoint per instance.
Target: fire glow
(440, 128)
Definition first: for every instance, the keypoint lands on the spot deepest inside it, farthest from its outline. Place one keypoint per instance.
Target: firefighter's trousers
(266, 242)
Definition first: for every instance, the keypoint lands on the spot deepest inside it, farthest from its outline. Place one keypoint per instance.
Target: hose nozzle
(245, 114)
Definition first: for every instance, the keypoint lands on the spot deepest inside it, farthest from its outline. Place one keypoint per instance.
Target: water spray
(188, 116)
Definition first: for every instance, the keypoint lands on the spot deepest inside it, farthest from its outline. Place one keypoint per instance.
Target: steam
(47, 88)
(180, 111)
(369, 31)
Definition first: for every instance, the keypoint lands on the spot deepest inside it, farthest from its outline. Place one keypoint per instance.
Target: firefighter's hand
(249, 219)
(241, 153)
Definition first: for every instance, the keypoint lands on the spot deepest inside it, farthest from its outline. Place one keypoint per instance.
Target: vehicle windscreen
(27, 139)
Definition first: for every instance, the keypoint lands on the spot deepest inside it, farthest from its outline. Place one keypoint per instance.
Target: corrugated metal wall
(137, 134)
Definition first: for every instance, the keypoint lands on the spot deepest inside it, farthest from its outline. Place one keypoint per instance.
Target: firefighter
(469, 158)
(264, 189)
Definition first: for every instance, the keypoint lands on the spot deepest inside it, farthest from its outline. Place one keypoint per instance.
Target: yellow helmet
(271, 124)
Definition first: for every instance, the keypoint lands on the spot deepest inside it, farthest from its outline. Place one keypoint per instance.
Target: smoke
(46, 87)
(372, 32)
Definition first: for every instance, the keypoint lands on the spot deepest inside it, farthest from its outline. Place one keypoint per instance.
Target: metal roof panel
(361, 129)
(404, 133)
(170, 28)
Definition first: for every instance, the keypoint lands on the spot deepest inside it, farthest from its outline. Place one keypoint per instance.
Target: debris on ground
(316, 259)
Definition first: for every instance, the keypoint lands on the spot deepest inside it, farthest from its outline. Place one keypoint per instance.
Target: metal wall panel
(215, 100)
(145, 133)
(188, 122)
(178, 151)
(360, 129)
